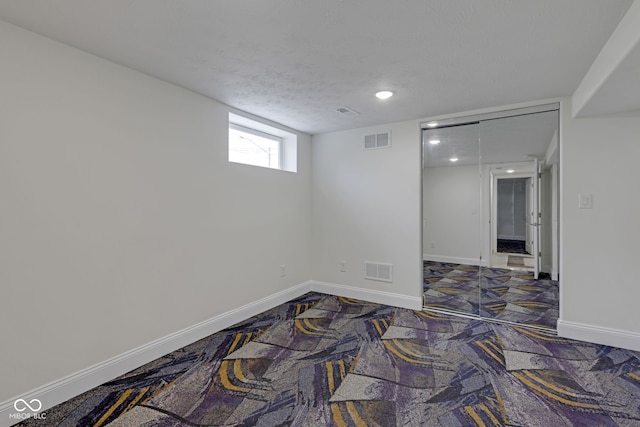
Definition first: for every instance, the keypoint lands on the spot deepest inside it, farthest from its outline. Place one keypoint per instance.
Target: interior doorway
(511, 223)
(514, 213)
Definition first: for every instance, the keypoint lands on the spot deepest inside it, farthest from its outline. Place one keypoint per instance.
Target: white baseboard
(510, 237)
(599, 335)
(379, 297)
(86, 379)
(451, 259)
(72, 385)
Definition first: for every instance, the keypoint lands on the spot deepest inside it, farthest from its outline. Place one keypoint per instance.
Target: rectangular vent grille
(378, 140)
(378, 271)
(348, 111)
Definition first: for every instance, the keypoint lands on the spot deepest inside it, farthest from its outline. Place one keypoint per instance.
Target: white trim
(84, 380)
(510, 237)
(502, 114)
(451, 259)
(500, 111)
(72, 385)
(497, 175)
(599, 335)
(555, 217)
(560, 206)
(261, 127)
(379, 297)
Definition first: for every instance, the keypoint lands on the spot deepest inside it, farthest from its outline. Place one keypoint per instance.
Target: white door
(538, 218)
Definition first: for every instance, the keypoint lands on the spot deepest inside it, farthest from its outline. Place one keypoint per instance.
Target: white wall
(121, 219)
(451, 214)
(355, 221)
(599, 277)
(366, 207)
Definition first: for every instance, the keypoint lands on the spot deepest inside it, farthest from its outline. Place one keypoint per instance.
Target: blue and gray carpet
(322, 360)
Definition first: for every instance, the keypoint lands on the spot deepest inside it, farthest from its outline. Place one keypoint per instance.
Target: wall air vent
(378, 140)
(378, 271)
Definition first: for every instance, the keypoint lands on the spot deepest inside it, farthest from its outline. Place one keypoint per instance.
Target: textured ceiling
(297, 61)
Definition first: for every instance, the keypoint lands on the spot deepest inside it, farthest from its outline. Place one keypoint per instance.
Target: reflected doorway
(514, 213)
(490, 216)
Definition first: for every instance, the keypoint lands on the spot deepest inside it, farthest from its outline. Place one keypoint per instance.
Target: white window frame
(264, 135)
(288, 141)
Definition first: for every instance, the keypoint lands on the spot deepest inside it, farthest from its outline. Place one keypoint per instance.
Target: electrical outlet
(283, 270)
(432, 245)
(343, 266)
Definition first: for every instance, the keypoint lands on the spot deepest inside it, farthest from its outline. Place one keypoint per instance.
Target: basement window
(258, 144)
(253, 147)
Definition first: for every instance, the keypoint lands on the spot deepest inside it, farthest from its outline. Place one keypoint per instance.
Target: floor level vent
(378, 271)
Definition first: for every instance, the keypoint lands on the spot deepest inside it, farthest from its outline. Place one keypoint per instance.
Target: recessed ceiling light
(432, 124)
(510, 171)
(453, 159)
(384, 94)
(434, 141)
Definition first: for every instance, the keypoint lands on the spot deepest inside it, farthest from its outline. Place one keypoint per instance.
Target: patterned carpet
(515, 296)
(327, 361)
(452, 287)
(511, 246)
(507, 295)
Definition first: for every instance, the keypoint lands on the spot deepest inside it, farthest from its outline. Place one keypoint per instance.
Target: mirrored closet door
(451, 206)
(490, 218)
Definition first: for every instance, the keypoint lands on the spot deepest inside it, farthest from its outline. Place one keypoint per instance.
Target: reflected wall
(451, 217)
(490, 209)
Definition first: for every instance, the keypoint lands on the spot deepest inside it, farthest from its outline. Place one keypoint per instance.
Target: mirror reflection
(451, 218)
(490, 218)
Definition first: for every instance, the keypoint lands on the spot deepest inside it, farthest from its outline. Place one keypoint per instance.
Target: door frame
(501, 173)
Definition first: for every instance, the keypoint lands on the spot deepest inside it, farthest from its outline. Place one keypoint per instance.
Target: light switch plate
(585, 201)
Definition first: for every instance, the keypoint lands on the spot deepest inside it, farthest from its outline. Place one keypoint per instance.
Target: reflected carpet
(495, 293)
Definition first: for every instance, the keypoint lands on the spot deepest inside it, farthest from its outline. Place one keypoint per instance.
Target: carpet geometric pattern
(495, 293)
(323, 360)
(454, 287)
(517, 297)
(511, 246)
